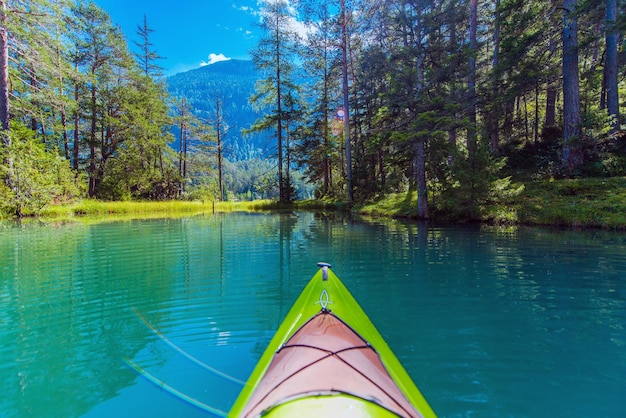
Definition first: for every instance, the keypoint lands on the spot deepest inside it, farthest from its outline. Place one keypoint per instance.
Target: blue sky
(189, 33)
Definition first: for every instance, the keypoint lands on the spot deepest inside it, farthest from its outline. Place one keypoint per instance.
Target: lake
(489, 322)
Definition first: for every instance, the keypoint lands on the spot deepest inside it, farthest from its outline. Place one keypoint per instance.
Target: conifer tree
(274, 57)
(33, 64)
(318, 149)
(96, 52)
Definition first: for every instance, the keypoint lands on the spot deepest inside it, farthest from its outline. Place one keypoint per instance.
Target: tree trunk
(492, 118)
(32, 79)
(536, 122)
(346, 100)
(218, 111)
(381, 169)
(612, 37)
(185, 149)
(452, 132)
(5, 138)
(572, 132)
(76, 145)
(92, 170)
(279, 114)
(551, 93)
(414, 32)
(181, 144)
(420, 179)
(288, 190)
(471, 82)
(4, 76)
(327, 131)
(92, 141)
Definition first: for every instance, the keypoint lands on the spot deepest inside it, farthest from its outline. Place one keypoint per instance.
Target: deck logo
(324, 300)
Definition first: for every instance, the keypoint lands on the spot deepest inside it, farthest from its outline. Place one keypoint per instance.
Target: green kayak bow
(328, 359)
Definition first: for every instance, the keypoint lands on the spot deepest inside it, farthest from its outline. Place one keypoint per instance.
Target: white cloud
(246, 9)
(246, 33)
(302, 29)
(295, 25)
(213, 58)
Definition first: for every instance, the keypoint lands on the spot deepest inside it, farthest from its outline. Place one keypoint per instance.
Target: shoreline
(577, 203)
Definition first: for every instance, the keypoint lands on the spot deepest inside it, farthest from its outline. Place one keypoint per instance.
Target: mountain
(233, 83)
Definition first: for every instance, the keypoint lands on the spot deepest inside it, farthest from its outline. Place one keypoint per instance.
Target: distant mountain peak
(231, 67)
(213, 58)
(234, 82)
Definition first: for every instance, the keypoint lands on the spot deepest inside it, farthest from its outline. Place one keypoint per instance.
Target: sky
(190, 33)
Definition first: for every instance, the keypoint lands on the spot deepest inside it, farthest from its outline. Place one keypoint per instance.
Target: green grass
(597, 203)
(584, 203)
(397, 205)
(90, 208)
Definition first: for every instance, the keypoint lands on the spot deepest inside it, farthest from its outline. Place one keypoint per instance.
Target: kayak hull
(328, 359)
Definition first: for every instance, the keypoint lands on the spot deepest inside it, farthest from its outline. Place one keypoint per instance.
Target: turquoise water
(488, 322)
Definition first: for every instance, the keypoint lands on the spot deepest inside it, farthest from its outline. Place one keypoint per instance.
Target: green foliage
(205, 192)
(398, 205)
(39, 177)
(140, 163)
(475, 190)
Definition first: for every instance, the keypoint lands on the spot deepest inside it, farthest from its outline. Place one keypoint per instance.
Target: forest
(460, 101)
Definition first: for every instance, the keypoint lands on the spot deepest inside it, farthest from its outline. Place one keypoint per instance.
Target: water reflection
(483, 319)
(61, 319)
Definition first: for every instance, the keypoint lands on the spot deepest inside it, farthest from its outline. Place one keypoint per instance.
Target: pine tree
(317, 148)
(104, 59)
(274, 56)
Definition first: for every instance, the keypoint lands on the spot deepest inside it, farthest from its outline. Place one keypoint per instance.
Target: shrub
(36, 177)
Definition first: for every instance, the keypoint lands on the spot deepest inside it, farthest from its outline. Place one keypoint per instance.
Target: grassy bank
(594, 203)
(98, 208)
(584, 203)
(149, 209)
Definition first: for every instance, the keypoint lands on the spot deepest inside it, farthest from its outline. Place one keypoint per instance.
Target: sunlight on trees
(458, 101)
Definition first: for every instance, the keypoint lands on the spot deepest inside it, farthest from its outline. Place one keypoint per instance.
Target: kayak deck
(329, 362)
(326, 357)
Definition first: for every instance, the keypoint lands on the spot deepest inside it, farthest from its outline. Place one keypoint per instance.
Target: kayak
(328, 359)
